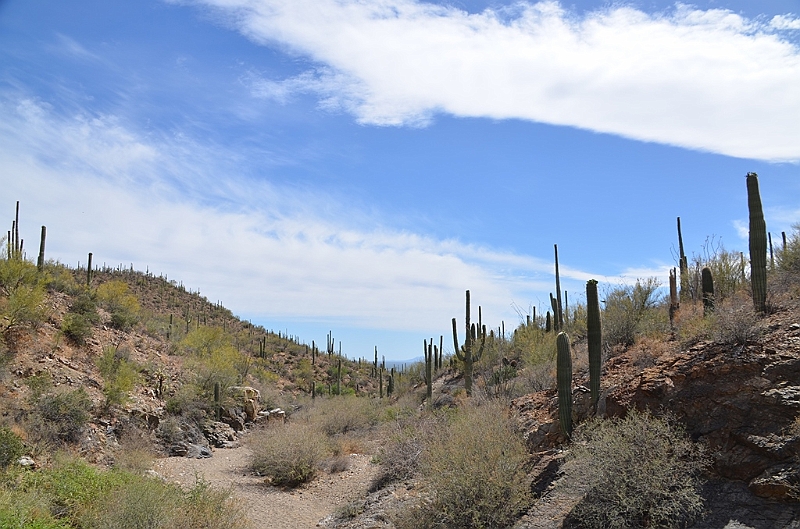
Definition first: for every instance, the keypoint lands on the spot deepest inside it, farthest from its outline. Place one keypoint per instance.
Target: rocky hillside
(177, 345)
(740, 398)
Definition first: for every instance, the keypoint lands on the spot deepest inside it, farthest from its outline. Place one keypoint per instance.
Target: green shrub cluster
(11, 447)
(77, 323)
(120, 303)
(22, 297)
(632, 311)
(120, 374)
(74, 494)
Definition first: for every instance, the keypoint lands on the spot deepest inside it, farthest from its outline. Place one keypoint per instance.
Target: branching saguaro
(467, 353)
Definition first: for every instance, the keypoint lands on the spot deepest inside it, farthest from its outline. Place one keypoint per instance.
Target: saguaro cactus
(594, 340)
(674, 304)
(683, 264)
(559, 313)
(430, 351)
(40, 261)
(467, 353)
(564, 380)
(217, 401)
(89, 271)
(708, 291)
(758, 244)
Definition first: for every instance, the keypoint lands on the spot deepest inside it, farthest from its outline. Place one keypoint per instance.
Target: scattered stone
(26, 462)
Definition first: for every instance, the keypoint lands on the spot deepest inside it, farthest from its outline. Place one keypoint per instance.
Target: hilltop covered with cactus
(643, 409)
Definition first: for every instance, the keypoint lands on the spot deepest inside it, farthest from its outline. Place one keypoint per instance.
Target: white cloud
(782, 22)
(707, 80)
(266, 252)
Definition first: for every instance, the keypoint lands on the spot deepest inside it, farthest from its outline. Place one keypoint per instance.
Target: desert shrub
(60, 417)
(134, 504)
(205, 507)
(76, 327)
(121, 304)
(135, 453)
(727, 269)
(399, 458)
(344, 414)
(213, 359)
(11, 447)
(735, 322)
(74, 494)
(473, 472)
(691, 325)
(631, 311)
(288, 455)
(789, 259)
(61, 279)
(22, 297)
(640, 471)
(27, 510)
(188, 402)
(120, 374)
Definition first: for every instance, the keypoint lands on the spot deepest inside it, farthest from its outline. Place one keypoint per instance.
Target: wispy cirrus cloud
(101, 186)
(708, 80)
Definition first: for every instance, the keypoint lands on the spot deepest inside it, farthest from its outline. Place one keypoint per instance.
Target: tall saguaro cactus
(674, 304)
(467, 353)
(559, 313)
(758, 244)
(430, 353)
(89, 272)
(564, 380)
(594, 336)
(40, 261)
(683, 264)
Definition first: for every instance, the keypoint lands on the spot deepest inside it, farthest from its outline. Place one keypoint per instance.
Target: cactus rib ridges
(564, 380)
(594, 339)
(758, 244)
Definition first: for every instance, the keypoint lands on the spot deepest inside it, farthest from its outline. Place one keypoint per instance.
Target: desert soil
(269, 507)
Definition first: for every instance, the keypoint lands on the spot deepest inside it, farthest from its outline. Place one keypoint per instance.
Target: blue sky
(356, 165)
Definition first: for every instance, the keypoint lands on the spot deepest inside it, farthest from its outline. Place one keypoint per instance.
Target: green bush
(121, 304)
(27, 510)
(11, 447)
(74, 494)
(640, 471)
(473, 472)
(288, 455)
(76, 327)
(119, 373)
(632, 311)
(22, 297)
(60, 417)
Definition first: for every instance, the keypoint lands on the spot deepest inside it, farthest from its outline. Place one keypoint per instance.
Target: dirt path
(268, 507)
